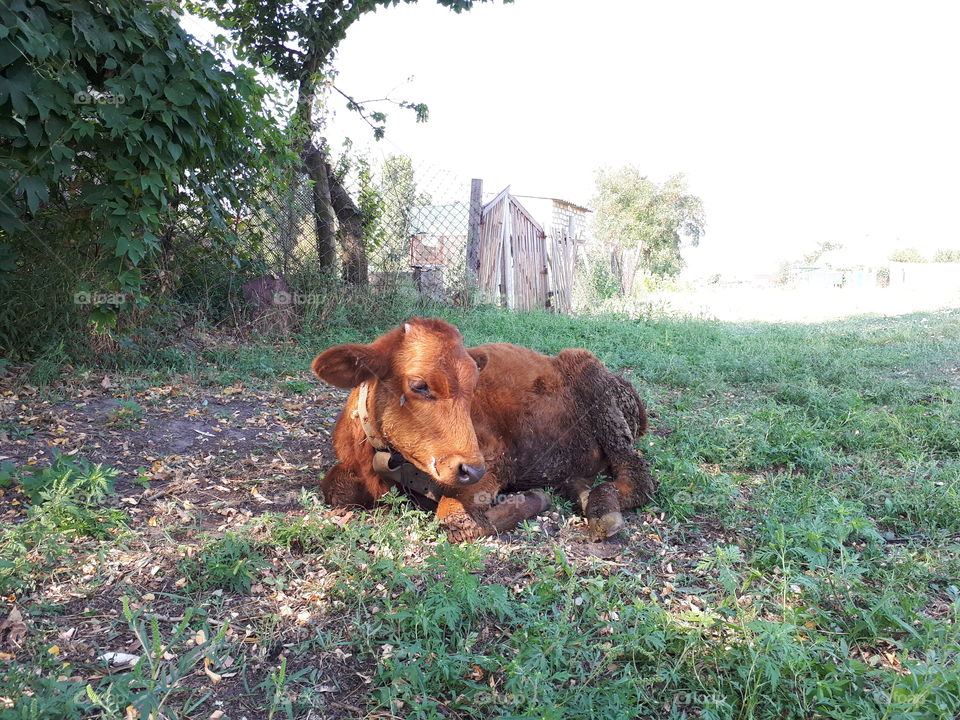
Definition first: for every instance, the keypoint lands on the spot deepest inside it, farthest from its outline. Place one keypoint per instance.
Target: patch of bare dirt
(198, 461)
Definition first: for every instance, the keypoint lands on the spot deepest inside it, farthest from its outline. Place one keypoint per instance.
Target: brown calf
(471, 424)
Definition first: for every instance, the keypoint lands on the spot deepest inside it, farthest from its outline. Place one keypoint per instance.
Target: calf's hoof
(464, 527)
(607, 525)
(603, 512)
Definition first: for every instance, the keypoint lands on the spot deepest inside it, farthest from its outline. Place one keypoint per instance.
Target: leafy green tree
(362, 220)
(819, 251)
(398, 186)
(907, 255)
(948, 256)
(298, 42)
(643, 224)
(111, 113)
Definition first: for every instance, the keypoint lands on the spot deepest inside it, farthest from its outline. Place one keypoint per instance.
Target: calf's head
(422, 381)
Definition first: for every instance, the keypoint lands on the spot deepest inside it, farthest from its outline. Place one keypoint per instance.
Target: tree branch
(376, 119)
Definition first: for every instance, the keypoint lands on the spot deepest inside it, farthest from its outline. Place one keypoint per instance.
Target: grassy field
(801, 558)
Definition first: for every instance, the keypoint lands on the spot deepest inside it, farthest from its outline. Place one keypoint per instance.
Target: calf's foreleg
(344, 487)
(515, 508)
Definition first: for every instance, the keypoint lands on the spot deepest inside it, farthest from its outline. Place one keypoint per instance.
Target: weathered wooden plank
(505, 193)
(473, 228)
(508, 254)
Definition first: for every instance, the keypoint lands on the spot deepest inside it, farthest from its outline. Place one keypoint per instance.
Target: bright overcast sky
(794, 122)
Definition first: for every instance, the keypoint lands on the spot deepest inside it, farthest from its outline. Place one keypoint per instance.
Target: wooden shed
(512, 255)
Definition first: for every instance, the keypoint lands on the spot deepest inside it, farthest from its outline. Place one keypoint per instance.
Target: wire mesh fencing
(402, 235)
(397, 235)
(410, 230)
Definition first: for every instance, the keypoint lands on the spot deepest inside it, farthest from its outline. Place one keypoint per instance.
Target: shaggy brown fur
(531, 421)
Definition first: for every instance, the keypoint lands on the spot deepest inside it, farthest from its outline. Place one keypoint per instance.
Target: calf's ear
(346, 366)
(479, 357)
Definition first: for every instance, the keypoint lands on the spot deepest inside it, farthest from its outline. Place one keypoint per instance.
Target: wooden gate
(513, 255)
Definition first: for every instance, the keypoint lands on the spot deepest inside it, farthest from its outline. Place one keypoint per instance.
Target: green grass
(810, 496)
(68, 503)
(127, 415)
(230, 562)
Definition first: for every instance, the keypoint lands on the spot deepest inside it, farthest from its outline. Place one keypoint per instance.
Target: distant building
(558, 217)
(438, 234)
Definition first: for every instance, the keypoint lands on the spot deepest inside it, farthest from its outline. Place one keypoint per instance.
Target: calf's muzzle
(469, 474)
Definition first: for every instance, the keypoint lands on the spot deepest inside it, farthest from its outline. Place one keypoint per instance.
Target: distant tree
(948, 256)
(822, 248)
(782, 276)
(298, 42)
(907, 255)
(360, 222)
(399, 191)
(643, 224)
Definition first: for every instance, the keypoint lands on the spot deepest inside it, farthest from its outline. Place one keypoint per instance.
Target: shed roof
(557, 200)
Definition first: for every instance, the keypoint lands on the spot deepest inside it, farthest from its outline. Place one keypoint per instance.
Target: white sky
(794, 122)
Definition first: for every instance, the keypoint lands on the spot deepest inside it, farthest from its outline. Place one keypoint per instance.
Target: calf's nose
(469, 474)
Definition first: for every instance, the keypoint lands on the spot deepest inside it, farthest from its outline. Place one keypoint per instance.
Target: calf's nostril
(469, 474)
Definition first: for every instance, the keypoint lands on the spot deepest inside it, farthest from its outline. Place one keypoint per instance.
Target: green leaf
(180, 93)
(34, 130)
(145, 24)
(36, 191)
(17, 86)
(8, 51)
(103, 319)
(8, 258)
(10, 128)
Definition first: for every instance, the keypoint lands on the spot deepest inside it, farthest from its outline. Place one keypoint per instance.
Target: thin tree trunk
(315, 164)
(352, 250)
(624, 265)
(616, 267)
(323, 213)
(628, 269)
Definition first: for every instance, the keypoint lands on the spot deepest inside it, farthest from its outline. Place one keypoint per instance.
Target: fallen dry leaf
(341, 519)
(14, 627)
(214, 677)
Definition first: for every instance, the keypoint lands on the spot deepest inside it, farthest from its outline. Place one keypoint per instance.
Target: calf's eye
(420, 387)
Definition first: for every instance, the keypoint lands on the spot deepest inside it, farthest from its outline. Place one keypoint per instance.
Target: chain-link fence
(397, 235)
(425, 232)
(394, 234)
(409, 229)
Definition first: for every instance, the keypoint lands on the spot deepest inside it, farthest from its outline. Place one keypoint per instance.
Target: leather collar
(362, 414)
(389, 463)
